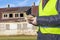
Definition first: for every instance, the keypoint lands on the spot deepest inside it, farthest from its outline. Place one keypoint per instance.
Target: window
(5, 15)
(21, 15)
(19, 26)
(10, 15)
(2, 27)
(16, 15)
(24, 26)
(7, 27)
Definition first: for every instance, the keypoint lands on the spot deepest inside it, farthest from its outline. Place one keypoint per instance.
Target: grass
(19, 37)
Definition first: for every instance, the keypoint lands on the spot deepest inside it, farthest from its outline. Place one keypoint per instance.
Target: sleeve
(48, 20)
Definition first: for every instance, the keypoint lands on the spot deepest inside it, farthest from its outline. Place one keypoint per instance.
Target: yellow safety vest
(49, 9)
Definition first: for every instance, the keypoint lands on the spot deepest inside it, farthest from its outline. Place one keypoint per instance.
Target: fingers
(30, 18)
(30, 22)
(33, 23)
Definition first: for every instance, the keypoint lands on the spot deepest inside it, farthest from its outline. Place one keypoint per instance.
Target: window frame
(21, 14)
(15, 15)
(7, 26)
(10, 15)
(5, 17)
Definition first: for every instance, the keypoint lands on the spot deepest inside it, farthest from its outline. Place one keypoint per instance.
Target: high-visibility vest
(49, 9)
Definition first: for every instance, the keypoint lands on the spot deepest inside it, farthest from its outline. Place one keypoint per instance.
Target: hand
(32, 20)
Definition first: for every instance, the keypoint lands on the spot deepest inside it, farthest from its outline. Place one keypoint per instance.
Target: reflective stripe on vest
(49, 9)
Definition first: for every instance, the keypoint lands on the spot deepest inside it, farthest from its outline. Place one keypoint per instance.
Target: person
(48, 20)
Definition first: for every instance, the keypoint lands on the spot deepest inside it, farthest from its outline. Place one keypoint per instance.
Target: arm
(48, 20)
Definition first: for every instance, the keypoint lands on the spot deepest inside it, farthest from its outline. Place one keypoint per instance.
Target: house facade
(13, 20)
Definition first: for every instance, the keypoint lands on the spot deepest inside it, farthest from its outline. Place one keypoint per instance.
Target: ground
(19, 37)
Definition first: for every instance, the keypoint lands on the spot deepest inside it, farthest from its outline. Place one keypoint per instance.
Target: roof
(14, 9)
(24, 8)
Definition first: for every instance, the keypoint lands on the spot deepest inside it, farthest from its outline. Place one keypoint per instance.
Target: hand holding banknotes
(32, 19)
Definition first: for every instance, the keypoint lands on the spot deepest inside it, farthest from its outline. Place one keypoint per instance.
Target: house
(13, 20)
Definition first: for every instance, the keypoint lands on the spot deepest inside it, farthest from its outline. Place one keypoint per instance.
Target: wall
(15, 29)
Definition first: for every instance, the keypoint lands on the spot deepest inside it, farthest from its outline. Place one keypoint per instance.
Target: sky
(17, 3)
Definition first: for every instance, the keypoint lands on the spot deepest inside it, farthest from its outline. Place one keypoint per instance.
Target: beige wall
(13, 29)
(24, 13)
(16, 28)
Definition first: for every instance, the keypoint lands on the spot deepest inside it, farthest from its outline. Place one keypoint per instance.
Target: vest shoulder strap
(44, 2)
